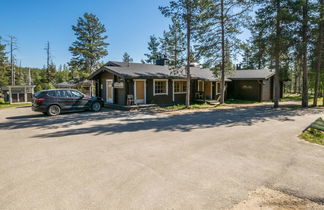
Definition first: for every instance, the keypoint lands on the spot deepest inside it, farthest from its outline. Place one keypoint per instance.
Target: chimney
(162, 61)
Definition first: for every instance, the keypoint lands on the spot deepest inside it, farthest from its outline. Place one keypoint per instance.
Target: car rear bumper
(39, 108)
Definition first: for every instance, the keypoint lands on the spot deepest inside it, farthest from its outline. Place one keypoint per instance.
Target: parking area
(150, 160)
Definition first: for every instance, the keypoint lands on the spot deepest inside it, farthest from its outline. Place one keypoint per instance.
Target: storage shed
(253, 85)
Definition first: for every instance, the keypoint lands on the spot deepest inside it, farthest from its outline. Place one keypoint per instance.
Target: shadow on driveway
(134, 121)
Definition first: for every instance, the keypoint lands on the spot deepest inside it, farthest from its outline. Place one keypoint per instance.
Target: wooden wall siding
(245, 90)
(158, 99)
(103, 77)
(266, 90)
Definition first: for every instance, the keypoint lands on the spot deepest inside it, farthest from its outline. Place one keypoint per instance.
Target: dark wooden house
(123, 83)
(253, 85)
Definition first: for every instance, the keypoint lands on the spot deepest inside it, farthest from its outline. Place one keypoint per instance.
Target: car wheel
(53, 110)
(96, 106)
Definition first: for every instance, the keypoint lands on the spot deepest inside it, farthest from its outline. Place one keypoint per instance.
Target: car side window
(75, 94)
(51, 93)
(63, 94)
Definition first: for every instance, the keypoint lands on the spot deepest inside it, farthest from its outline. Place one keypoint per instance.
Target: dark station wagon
(54, 102)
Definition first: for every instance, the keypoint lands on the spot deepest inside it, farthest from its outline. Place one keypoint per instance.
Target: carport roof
(139, 70)
(250, 74)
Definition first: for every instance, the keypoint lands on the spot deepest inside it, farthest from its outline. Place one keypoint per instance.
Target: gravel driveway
(136, 160)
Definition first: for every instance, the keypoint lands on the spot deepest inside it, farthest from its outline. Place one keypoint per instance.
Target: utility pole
(12, 43)
(48, 57)
(29, 77)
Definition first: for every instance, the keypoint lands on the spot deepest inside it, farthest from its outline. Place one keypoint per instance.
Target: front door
(139, 91)
(109, 91)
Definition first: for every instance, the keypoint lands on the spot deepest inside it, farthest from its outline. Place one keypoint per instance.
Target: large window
(160, 87)
(200, 85)
(180, 86)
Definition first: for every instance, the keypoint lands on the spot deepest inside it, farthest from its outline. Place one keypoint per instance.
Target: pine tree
(4, 70)
(174, 44)
(90, 45)
(127, 58)
(273, 25)
(188, 13)
(153, 47)
(221, 21)
(319, 53)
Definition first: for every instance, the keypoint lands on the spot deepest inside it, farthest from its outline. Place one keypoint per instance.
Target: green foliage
(90, 45)
(209, 36)
(127, 58)
(153, 47)
(4, 68)
(173, 44)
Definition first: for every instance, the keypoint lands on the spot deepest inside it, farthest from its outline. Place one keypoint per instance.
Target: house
(21, 93)
(124, 83)
(253, 85)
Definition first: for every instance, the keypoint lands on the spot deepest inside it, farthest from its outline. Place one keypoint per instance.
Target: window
(200, 85)
(180, 86)
(63, 93)
(160, 87)
(76, 94)
(51, 93)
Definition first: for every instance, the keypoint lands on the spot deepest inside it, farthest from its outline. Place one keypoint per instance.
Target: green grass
(313, 135)
(192, 106)
(298, 97)
(237, 101)
(6, 105)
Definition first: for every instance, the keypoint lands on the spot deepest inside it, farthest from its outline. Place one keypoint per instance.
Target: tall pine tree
(90, 45)
(153, 47)
(220, 23)
(188, 13)
(4, 68)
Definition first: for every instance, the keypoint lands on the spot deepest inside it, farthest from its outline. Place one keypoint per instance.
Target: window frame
(166, 89)
(179, 80)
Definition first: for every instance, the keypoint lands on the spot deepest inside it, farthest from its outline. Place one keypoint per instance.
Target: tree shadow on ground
(123, 121)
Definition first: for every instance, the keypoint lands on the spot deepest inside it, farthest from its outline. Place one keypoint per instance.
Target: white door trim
(112, 99)
(135, 99)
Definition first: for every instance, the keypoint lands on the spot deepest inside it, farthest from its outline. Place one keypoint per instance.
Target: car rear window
(38, 94)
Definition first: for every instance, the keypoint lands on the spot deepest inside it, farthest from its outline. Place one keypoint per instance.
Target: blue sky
(129, 24)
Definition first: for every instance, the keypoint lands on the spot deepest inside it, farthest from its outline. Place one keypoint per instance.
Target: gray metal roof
(139, 70)
(252, 74)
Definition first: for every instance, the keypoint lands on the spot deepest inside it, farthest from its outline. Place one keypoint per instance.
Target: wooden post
(10, 96)
(25, 94)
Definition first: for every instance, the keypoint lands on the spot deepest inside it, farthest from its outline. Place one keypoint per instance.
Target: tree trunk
(277, 59)
(304, 55)
(319, 53)
(188, 59)
(222, 96)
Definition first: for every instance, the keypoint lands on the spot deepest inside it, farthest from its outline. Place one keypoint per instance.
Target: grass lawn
(192, 106)
(297, 97)
(237, 101)
(6, 105)
(313, 135)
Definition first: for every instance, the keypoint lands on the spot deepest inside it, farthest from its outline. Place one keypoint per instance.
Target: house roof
(250, 74)
(139, 70)
(65, 84)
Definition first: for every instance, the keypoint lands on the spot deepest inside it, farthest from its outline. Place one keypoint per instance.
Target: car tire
(53, 110)
(96, 106)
